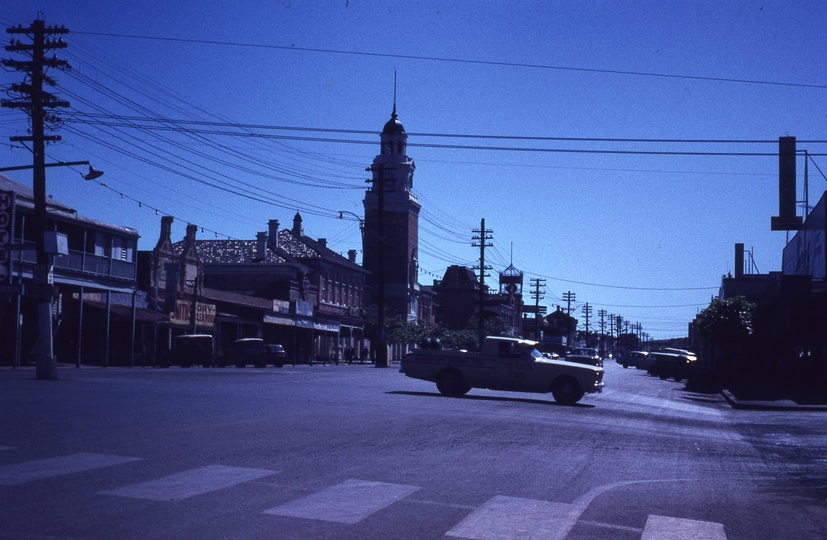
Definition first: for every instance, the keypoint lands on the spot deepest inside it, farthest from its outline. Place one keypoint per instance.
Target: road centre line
(27, 471)
(176, 487)
(443, 504)
(610, 526)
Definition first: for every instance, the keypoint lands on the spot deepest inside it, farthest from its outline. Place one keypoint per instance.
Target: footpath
(770, 405)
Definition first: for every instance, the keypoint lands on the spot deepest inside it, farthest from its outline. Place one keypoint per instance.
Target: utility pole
(569, 297)
(602, 345)
(612, 331)
(618, 327)
(31, 97)
(482, 235)
(587, 310)
(536, 283)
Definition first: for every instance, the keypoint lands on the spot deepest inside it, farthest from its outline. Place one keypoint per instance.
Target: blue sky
(646, 236)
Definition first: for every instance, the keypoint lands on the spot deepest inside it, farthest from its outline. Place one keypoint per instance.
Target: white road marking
(349, 502)
(19, 473)
(502, 518)
(187, 484)
(6, 447)
(669, 528)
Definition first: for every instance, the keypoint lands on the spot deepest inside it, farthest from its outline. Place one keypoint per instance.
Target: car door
(517, 369)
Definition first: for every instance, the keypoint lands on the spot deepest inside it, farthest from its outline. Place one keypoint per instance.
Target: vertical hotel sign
(7, 204)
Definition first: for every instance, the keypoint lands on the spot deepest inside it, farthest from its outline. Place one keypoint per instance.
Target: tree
(728, 324)
(727, 321)
(468, 338)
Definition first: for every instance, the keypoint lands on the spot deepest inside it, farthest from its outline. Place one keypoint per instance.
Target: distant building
(457, 296)
(283, 287)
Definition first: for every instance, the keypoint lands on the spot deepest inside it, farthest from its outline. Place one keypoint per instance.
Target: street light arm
(91, 175)
(58, 164)
(361, 221)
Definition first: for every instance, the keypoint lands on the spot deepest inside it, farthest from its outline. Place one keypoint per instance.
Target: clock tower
(391, 240)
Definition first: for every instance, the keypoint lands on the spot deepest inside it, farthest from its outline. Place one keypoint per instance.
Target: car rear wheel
(566, 391)
(451, 383)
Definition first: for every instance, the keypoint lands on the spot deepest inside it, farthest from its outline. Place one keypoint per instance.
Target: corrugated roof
(55, 208)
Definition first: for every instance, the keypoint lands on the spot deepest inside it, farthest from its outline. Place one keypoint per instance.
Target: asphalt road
(358, 452)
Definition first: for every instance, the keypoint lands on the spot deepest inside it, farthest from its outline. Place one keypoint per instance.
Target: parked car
(676, 366)
(247, 351)
(275, 354)
(637, 359)
(189, 350)
(585, 356)
(692, 357)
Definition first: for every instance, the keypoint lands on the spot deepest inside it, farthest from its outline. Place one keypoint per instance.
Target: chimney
(189, 240)
(351, 255)
(739, 261)
(273, 236)
(166, 231)
(323, 242)
(297, 224)
(261, 246)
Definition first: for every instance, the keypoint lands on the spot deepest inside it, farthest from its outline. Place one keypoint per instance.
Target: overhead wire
(293, 48)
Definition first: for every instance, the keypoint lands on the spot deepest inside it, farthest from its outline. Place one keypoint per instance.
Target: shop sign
(275, 319)
(326, 327)
(304, 308)
(7, 206)
(204, 314)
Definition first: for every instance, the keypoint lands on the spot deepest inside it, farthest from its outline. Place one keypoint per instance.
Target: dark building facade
(787, 354)
(96, 307)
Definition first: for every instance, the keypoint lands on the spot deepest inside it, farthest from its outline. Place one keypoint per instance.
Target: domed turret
(393, 126)
(394, 138)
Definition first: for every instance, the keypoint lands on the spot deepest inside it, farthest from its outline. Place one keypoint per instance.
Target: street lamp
(46, 361)
(361, 222)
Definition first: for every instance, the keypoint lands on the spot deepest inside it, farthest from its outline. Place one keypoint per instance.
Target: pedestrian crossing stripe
(176, 487)
(18, 473)
(669, 528)
(349, 502)
(511, 517)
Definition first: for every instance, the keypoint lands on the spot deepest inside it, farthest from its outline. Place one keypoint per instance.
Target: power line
(627, 287)
(462, 60)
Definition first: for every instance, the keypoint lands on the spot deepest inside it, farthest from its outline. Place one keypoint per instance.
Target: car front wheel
(451, 383)
(566, 391)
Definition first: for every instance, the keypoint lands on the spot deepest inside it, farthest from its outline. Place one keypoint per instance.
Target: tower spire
(394, 94)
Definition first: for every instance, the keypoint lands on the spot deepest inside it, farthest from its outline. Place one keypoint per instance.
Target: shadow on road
(490, 398)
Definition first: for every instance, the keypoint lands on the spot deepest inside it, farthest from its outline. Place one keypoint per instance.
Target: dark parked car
(637, 359)
(586, 356)
(275, 354)
(672, 365)
(247, 351)
(189, 350)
